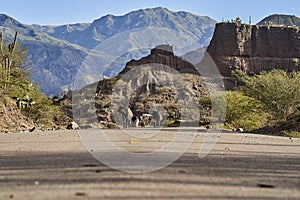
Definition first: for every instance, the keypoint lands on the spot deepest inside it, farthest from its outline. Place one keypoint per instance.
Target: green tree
(244, 112)
(241, 111)
(278, 91)
(212, 109)
(11, 75)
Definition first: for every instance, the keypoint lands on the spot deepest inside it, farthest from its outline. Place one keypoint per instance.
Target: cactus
(6, 59)
(2, 77)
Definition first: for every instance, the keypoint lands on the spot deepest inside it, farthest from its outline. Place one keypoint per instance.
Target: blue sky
(54, 12)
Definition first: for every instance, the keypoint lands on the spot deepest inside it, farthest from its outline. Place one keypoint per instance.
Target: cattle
(145, 119)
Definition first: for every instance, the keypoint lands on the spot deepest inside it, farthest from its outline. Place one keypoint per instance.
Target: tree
(241, 111)
(7, 57)
(12, 56)
(278, 91)
(244, 112)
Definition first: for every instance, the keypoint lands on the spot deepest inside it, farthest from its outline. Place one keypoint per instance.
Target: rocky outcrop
(163, 54)
(11, 118)
(254, 48)
(145, 89)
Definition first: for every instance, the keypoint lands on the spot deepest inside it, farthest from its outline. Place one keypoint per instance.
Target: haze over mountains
(85, 52)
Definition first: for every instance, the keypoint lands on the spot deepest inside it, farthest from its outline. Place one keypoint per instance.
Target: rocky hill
(162, 54)
(145, 84)
(11, 118)
(279, 19)
(255, 48)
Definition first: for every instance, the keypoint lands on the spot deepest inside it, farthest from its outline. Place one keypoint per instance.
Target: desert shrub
(19, 87)
(241, 111)
(277, 91)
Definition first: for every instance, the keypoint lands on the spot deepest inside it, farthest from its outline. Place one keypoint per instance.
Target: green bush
(244, 112)
(278, 92)
(241, 111)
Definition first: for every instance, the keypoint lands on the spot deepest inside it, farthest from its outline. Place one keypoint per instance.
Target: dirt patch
(11, 118)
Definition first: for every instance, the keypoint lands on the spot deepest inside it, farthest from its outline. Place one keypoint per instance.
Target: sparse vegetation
(269, 101)
(292, 134)
(241, 111)
(169, 122)
(244, 112)
(278, 93)
(16, 85)
(238, 21)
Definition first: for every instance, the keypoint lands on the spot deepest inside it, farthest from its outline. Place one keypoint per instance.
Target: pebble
(81, 194)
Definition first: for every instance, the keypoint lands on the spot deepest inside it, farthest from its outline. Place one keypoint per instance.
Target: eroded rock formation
(159, 79)
(254, 48)
(163, 54)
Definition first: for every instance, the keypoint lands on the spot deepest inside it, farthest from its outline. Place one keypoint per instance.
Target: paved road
(56, 165)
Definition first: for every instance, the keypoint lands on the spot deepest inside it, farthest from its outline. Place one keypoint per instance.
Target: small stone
(263, 185)
(81, 194)
(182, 172)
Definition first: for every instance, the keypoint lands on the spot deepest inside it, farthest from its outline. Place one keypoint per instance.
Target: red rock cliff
(255, 48)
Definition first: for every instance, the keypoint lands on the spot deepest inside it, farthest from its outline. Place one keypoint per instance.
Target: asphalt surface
(57, 165)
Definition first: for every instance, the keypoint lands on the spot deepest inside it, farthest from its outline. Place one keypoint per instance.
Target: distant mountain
(90, 35)
(61, 54)
(279, 19)
(69, 32)
(52, 61)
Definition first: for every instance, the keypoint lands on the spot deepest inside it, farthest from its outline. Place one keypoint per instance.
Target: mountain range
(86, 52)
(60, 54)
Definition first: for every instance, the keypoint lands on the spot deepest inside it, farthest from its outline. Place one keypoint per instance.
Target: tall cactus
(2, 59)
(11, 50)
(6, 61)
(1, 50)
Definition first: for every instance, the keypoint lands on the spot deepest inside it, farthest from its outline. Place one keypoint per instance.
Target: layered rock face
(254, 48)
